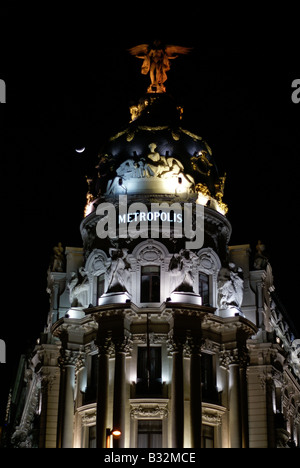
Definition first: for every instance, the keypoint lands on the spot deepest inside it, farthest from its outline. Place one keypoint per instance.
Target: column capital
(123, 344)
(80, 362)
(70, 357)
(194, 345)
(176, 343)
(105, 345)
(236, 356)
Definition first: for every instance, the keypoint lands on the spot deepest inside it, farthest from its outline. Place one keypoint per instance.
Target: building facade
(158, 327)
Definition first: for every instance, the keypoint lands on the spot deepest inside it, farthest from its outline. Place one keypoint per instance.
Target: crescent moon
(80, 150)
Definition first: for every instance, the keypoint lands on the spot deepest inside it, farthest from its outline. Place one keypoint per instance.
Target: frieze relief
(149, 410)
(154, 338)
(153, 165)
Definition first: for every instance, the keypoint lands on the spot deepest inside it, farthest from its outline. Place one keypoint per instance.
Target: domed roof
(156, 155)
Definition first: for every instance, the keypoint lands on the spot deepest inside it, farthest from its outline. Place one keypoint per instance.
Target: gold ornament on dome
(156, 61)
(220, 187)
(201, 164)
(223, 208)
(203, 189)
(89, 198)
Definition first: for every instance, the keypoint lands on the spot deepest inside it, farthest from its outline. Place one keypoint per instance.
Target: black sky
(237, 98)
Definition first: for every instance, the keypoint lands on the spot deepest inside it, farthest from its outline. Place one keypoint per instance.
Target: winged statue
(156, 60)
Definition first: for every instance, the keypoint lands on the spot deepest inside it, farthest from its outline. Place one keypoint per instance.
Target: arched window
(96, 267)
(209, 266)
(150, 275)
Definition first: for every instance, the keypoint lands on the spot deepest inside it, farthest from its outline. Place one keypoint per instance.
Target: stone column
(121, 347)
(235, 360)
(177, 395)
(113, 331)
(235, 425)
(68, 363)
(102, 395)
(79, 379)
(195, 393)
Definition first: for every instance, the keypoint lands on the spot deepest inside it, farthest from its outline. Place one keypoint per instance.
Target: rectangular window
(208, 376)
(149, 378)
(150, 434)
(204, 288)
(150, 284)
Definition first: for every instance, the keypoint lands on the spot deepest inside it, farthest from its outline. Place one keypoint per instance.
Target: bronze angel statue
(156, 60)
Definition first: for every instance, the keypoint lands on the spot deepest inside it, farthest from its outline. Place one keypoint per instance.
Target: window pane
(155, 441)
(208, 376)
(100, 285)
(208, 436)
(150, 434)
(149, 360)
(145, 289)
(150, 284)
(204, 288)
(143, 441)
(152, 269)
(155, 289)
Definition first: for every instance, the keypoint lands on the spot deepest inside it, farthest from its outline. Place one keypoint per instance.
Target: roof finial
(156, 60)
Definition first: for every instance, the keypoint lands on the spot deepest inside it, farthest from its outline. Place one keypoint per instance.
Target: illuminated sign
(162, 220)
(151, 216)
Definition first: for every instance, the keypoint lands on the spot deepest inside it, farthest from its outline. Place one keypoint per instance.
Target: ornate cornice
(80, 327)
(149, 410)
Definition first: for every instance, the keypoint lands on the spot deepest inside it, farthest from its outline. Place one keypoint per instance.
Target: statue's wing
(172, 49)
(140, 49)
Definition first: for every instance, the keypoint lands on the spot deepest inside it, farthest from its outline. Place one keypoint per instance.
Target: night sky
(237, 98)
